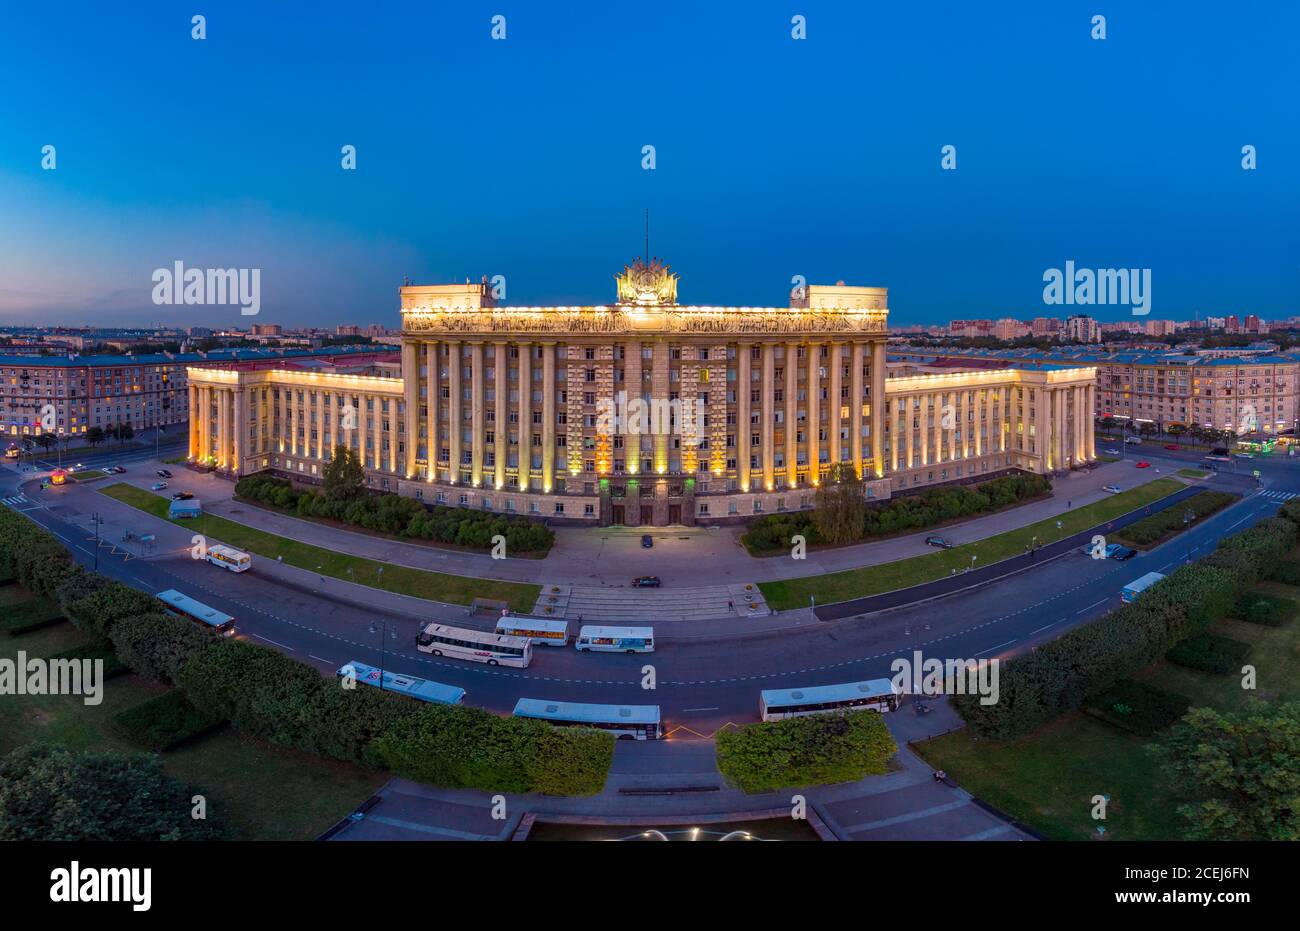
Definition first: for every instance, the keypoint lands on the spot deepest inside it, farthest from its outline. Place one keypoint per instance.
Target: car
(181, 496)
(78, 467)
(1113, 489)
(647, 541)
(1132, 441)
(1111, 452)
(1172, 446)
(163, 473)
(1143, 464)
(1245, 455)
(1120, 553)
(119, 469)
(939, 542)
(159, 486)
(1211, 466)
(646, 581)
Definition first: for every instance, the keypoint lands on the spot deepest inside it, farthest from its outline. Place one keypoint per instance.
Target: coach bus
(617, 639)
(625, 722)
(229, 558)
(480, 646)
(538, 630)
(873, 695)
(184, 606)
(389, 681)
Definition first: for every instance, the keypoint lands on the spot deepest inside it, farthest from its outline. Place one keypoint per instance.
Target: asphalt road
(700, 684)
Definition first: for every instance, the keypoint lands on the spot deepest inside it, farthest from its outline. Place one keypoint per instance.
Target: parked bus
(184, 606)
(617, 639)
(538, 630)
(873, 695)
(389, 681)
(1131, 591)
(228, 557)
(480, 646)
(626, 722)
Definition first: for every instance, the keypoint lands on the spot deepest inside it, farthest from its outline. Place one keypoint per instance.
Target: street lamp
(97, 521)
(388, 631)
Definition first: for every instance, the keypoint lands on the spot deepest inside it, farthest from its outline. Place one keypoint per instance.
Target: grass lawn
(1192, 473)
(89, 475)
(437, 586)
(1048, 778)
(265, 792)
(903, 573)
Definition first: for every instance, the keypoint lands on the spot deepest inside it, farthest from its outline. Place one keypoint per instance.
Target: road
(700, 684)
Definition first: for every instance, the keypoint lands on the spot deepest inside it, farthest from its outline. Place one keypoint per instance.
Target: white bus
(184, 606)
(873, 695)
(480, 646)
(230, 558)
(626, 722)
(1130, 592)
(536, 629)
(617, 639)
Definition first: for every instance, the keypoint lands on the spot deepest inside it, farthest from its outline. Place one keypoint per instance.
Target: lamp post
(388, 631)
(1188, 516)
(97, 520)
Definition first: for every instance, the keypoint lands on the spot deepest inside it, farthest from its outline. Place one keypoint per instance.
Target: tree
(1241, 770)
(46, 441)
(95, 436)
(52, 793)
(841, 511)
(344, 478)
(1176, 430)
(125, 432)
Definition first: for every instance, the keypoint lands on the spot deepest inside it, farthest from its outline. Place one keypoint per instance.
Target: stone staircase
(624, 605)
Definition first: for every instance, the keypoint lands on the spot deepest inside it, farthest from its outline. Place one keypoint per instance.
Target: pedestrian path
(626, 605)
(1281, 495)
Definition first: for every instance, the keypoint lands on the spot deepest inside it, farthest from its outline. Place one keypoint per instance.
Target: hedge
(907, 512)
(92, 651)
(1138, 707)
(30, 615)
(402, 516)
(1288, 573)
(1150, 531)
(157, 645)
(97, 612)
(812, 750)
(1262, 608)
(1210, 653)
(462, 747)
(165, 721)
(1061, 675)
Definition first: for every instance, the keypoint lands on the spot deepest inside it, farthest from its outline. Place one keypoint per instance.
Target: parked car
(163, 473)
(647, 541)
(158, 486)
(181, 496)
(1113, 489)
(1245, 455)
(1172, 446)
(1143, 464)
(939, 542)
(1132, 441)
(646, 581)
(119, 469)
(1111, 452)
(1121, 553)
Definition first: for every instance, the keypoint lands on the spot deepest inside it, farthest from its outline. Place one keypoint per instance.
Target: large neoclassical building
(644, 411)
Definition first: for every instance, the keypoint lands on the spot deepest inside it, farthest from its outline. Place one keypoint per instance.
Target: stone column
(434, 398)
(500, 411)
(835, 404)
(743, 431)
(632, 439)
(855, 407)
(377, 430)
(548, 417)
(814, 413)
(878, 372)
(454, 424)
(660, 387)
(1092, 414)
(927, 425)
(910, 455)
(525, 425)
(238, 429)
(792, 414)
(320, 425)
(411, 401)
(768, 427)
(193, 400)
(476, 412)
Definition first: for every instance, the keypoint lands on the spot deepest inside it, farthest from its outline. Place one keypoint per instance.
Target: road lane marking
(320, 658)
(699, 709)
(1091, 606)
(998, 647)
(280, 645)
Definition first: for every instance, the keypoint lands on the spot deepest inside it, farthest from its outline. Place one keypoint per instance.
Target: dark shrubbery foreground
(812, 750)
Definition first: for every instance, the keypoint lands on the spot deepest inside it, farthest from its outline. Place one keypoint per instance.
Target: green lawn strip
(1192, 473)
(1163, 526)
(89, 475)
(420, 583)
(1047, 779)
(266, 792)
(904, 573)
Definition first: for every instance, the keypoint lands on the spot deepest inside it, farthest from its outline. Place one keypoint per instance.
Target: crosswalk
(1281, 495)
(20, 502)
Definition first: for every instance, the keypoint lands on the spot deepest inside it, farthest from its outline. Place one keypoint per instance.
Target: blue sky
(522, 157)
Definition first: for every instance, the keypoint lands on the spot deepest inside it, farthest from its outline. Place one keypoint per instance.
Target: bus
(480, 646)
(389, 681)
(617, 639)
(1130, 592)
(12, 451)
(180, 605)
(538, 630)
(873, 695)
(228, 557)
(625, 722)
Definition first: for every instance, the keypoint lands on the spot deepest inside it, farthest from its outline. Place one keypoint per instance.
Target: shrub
(1138, 707)
(164, 721)
(1287, 573)
(92, 651)
(30, 615)
(97, 612)
(1210, 653)
(1154, 529)
(157, 645)
(811, 750)
(1262, 608)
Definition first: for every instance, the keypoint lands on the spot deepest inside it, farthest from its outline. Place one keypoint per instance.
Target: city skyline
(768, 173)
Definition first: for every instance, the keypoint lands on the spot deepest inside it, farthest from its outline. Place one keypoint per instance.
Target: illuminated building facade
(644, 412)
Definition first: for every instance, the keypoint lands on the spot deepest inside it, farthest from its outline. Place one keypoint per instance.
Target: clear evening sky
(523, 157)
